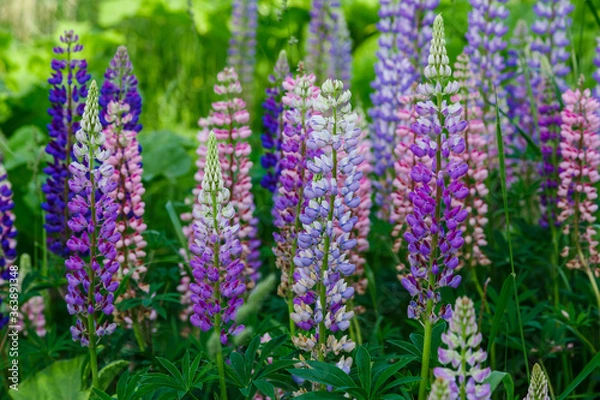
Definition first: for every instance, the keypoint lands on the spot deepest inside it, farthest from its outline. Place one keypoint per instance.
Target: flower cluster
(216, 264)
(404, 28)
(434, 236)
(273, 124)
(551, 38)
(92, 264)
(328, 222)
(33, 312)
(330, 54)
(596, 73)
(474, 156)
(242, 45)
(8, 233)
(440, 390)
(465, 373)
(538, 387)
(298, 100)
(67, 96)
(577, 193)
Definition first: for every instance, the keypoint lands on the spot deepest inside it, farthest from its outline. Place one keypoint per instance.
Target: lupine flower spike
(92, 265)
(328, 222)
(298, 100)
(8, 234)
(273, 124)
(538, 387)
(216, 263)
(242, 45)
(435, 237)
(463, 355)
(67, 96)
(440, 390)
(577, 193)
(121, 107)
(596, 73)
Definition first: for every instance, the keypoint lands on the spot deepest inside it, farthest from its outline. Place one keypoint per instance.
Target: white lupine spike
(538, 387)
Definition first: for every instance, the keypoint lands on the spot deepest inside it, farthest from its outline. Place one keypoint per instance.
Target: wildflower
(92, 264)
(538, 387)
(596, 73)
(217, 268)
(241, 54)
(322, 261)
(440, 390)
(463, 355)
(273, 123)
(8, 233)
(67, 96)
(434, 236)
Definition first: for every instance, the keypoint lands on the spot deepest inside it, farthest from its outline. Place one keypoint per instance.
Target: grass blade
(589, 368)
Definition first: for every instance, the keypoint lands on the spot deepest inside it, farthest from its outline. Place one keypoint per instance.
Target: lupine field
(312, 199)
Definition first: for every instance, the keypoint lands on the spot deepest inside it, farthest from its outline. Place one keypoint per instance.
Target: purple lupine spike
(217, 268)
(341, 51)
(92, 264)
(298, 100)
(121, 85)
(273, 123)
(66, 97)
(596, 73)
(404, 28)
(328, 222)
(8, 234)
(242, 46)
(551, 40)
(485, 43)
(463, 356)
(434, 236)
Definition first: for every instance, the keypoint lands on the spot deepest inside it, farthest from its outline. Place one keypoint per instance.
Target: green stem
(137, 331)
(220, 363)
(91, 299)
(426, 353)
(92, 347)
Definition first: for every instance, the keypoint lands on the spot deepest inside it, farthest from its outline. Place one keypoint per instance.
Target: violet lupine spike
(596, 73)
(485, 43)
(298, 100)
(435, 237)
(551, 40)
(241, 54)
(216, 249)
(463, 356)
(577, 193)
(549, 123)
(121, 108)
(8, 234)
(404, 28)
(320, 41)
(273, 124)
(67, 97)
(92, 264)
(328, 222)
(475, 156)
(341, 50)
(538, 386)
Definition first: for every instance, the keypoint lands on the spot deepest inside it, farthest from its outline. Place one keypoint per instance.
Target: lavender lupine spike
(485, 44)
(216, 265)
(538, 387)
(341, 51)
(435, 236)
(242, 45)
(551, 38)
(273, 124)
(596, 73)
(92, 264)
(298, 100)
(328, 221)
(465, 373)
(405, 30)
(67, 96)
(8, 234)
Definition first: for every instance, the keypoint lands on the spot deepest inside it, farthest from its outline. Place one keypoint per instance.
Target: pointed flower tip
(213, 178)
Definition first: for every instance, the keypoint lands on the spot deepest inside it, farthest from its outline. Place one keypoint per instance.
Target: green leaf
(389, 372)
(327, 374)
(61, 380)
(408, 347)
(169, 366)
(363, 363)
(588, 369)
(497, 377)
(500, 310)
(266, 388)
(251, 352)
(238, 364)
(110, 372)
(320, 396)
(167, 151)
(100, 394)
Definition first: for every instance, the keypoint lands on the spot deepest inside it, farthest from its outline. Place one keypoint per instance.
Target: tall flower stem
(220, 362)
(426, 353)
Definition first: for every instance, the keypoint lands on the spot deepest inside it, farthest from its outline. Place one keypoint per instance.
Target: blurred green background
(177, 48)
